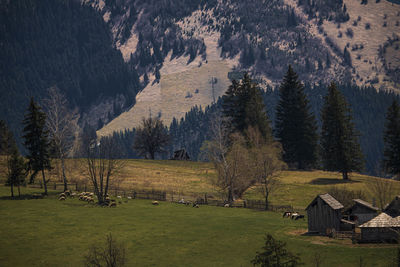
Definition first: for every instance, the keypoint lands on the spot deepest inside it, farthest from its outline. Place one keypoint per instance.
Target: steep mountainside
(184, 51)
(46, 43)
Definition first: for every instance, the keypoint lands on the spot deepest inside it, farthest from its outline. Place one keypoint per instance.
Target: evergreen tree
(16, 171)
(296, 127)
(36, 142)
(340, 147)
(244, 106)
(392, 139)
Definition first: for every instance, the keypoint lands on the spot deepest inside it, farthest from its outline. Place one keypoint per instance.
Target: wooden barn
(181, 155)
(382, 228)
(324, 214)
(361, 212)
(393, 208)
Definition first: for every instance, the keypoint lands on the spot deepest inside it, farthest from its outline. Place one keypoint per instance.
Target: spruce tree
(392, 140)
(296, 126)
(36, 142)
(244, 106)
(339, 141)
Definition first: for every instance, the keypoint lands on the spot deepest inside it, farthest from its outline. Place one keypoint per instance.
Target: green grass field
(48, 232)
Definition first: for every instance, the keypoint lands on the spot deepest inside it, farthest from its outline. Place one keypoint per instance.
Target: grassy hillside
(193, 178)
(47, 232)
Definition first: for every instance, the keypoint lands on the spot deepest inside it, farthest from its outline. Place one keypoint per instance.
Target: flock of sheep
(88, 197)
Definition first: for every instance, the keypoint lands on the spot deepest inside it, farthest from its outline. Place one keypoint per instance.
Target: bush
(275, 254)
(367, 26)
(111, 255)
(349, 33)
(345, 196)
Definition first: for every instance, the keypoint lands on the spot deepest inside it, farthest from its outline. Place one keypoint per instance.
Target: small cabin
(393, 208)
(181, 155)
(361, 212)
(382, 228)
(324, 214)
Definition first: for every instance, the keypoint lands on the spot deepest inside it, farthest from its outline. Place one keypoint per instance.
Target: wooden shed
(361, 212)
(181, 155)
(382, 228)
(393, 208)
(324, 214)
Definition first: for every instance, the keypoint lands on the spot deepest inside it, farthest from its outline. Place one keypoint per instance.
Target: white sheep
(129, 197)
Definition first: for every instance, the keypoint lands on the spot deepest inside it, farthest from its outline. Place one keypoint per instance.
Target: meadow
(48, 232)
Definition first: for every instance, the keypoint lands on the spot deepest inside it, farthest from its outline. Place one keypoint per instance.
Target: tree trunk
(32, 178)
(44, 182)
(63, 174)
(345, 175)
(230, 194)
(266, 200)
(19, 191)
(12, 190)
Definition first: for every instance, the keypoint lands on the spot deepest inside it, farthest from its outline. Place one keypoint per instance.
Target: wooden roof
(328, 199)
(383, 220)
(365, 204)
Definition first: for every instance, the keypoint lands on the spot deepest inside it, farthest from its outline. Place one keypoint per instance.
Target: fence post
(76, 187)
(40, 183)
(55, 186)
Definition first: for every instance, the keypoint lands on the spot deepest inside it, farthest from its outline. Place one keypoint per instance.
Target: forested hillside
(368, 106)
(46, 43)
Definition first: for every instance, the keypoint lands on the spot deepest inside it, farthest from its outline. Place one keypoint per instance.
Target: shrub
(349, 33)
(112, 254)
(275, 254)
(367, 26)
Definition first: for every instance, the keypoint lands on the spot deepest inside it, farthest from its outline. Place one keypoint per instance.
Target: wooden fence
(201, 199)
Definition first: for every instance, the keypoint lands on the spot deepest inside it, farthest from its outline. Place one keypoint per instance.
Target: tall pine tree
(340, 147)
(296, 126)
(243, 105)
(36, 142)
(392, 140)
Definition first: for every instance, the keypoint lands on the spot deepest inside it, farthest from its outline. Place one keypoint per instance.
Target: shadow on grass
(328, 181)
(29, 196)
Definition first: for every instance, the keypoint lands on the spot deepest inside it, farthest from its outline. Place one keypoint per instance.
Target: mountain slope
(48, 43)
(320, 39)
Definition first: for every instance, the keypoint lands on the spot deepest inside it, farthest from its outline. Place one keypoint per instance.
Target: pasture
(48, 232)
(193, 178)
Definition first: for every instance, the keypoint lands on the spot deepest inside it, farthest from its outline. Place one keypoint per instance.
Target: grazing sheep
(119, 197)
(155, 202)
(73, 195)
(113, 204)
(67, 193)
(227, 205)
(61, 198)
(299, 217)
(182, 201)
(91, 200)
(62, 195)
(129, 197)
(196, 206)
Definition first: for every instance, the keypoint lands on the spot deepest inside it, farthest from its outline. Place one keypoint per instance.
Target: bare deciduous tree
(102, 163)
(151, 137)
(231, 161)
(61, 124)
(266, 163)
(112, 254)
(382, 190)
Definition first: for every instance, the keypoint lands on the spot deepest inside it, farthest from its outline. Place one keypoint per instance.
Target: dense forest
(47, 43)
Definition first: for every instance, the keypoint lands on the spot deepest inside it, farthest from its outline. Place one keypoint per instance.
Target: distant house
(181, 155)
(324, 214)
(393, 208)
(361, 212)
(382, 228)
